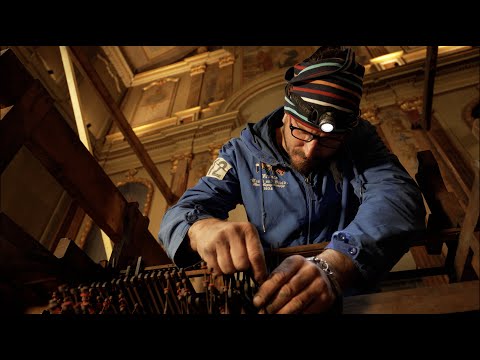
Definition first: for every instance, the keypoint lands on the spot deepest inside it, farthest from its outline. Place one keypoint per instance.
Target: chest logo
(270, 179)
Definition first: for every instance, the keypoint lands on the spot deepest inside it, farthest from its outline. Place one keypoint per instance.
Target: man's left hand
(295, 286)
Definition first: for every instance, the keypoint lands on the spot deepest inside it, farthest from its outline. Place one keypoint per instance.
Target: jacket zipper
(308, 182)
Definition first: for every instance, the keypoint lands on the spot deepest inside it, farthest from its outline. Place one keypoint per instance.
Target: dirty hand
(228, 247)
(295, 286)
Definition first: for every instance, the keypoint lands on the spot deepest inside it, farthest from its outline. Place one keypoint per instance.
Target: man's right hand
(228, 247)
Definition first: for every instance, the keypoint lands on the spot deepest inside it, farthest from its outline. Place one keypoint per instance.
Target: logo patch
(219, 169)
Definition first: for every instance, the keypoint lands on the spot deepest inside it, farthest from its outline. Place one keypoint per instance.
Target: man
(309, 172)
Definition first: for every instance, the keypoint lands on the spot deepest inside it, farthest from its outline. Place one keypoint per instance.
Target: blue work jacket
(363, 202)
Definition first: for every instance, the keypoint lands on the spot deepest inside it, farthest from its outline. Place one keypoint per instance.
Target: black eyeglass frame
(313, 136)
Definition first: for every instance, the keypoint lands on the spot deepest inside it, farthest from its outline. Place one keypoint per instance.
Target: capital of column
(214, 150)
(197, 70)
(411, 104)
(178, 157)
(226, 61)
(173, 168)
(371, 114)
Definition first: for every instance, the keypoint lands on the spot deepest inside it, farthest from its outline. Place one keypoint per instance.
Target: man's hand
(299, 286)
(228, 247)
(295, 286)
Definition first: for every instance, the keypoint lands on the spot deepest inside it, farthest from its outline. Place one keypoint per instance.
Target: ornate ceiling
(374, 58)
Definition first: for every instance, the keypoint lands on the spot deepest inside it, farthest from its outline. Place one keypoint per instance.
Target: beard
(302, 164)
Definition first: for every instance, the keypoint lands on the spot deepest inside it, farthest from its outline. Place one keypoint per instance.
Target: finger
(210, 257)
(290, 290)
(316, 298)
(224, 258)
(319, 305)
(303, 300)
(239, 254)
(323, 301)
(256, 256)
(279, 277)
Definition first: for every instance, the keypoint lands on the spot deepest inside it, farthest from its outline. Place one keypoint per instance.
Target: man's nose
(311, 147)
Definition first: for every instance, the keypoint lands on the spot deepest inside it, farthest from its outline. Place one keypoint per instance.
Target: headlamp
(330, 120)
(326, 122)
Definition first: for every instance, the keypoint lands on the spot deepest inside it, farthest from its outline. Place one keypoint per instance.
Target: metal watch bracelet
(323, 265)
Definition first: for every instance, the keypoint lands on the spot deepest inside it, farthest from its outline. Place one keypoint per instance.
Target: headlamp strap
(301, 105)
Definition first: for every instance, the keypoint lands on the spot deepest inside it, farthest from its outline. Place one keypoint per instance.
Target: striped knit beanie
(334, 82)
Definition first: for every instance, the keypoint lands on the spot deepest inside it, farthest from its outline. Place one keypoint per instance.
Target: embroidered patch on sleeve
(219, 169)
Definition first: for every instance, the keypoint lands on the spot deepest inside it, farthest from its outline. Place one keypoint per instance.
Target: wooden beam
(74, 97)
(467, 240)
(25, 261)
(123, 124)
(430, 70)
(443, 299)
(14, 79)
(445, 209)
(60, 151)
(17, 88)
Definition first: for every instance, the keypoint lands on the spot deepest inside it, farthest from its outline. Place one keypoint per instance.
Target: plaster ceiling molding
(457, 77)
(156, 135)
(197, 70)
(388, 60)
(419, 53)
(110, 72)
(188, 115)
(160, 82)
(226, 61)
(143, 130)
(444, 50)
(145, 58)
(184, 66)
(118, 61)
(157, 74)
(211, 109)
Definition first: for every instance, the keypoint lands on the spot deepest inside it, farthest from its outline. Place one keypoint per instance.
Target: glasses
(306, 136)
